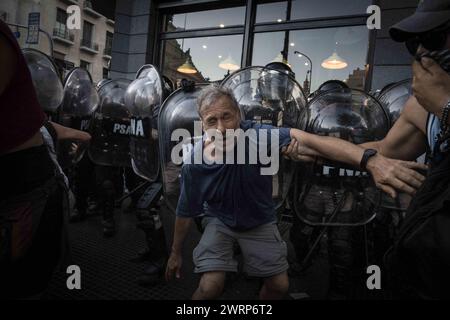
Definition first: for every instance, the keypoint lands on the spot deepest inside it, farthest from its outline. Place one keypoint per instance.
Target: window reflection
(204, 59)
(271, 12)
(350, 44)
(220, 18)
(304, 9)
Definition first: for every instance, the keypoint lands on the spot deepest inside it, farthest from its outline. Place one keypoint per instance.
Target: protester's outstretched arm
(389, 175)
(65, 133)
(406, 140)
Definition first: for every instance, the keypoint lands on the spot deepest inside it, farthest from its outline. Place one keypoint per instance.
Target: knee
(210, 287)
(278, 284)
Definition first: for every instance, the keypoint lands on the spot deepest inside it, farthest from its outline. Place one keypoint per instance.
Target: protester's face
(222, 115)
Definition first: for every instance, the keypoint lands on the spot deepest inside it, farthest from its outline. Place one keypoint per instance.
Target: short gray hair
(213, 93)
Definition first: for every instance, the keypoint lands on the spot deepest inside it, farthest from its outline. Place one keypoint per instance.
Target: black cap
(429, 15)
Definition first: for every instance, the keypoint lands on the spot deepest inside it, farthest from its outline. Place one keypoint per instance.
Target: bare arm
(8, 63)
(388, 174)
(406, 140)
(329, 147)
(182, 226)
(65, 133)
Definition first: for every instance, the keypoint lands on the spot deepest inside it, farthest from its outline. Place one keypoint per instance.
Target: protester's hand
(174, 266)
(66, 133)
(431, 85)
(298, 152)
(73, 149)
(395, 175)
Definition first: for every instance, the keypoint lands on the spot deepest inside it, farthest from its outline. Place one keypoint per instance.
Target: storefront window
(271, 12)
(304, 9)
(204, 59)
(308, 53)
(220, 18)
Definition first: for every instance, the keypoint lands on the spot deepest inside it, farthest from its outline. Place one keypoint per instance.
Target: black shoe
(142, 256)
(78, 215)
(109, 228)
(153, 273)
(93, 209)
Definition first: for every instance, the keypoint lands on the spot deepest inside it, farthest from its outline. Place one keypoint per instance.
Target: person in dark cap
(430, 16)
(418, 264)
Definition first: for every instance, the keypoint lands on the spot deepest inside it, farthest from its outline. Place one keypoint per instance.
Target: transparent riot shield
(46, 80)
(143, 100)
(110, 126)
(272, 97)
(79, 103)
(394, 97)
(331, 193)
(177, 119)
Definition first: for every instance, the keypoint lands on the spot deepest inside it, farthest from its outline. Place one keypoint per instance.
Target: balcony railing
(88, 45)
(64, 35)
(90, 10)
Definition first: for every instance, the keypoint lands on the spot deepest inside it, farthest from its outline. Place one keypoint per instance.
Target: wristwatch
(444, 116)
(368, 153)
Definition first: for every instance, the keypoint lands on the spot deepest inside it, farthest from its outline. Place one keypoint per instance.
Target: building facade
(309, 35)
(321, 39)
(89, 47)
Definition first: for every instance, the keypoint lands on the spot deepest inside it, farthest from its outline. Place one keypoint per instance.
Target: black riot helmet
(332, 84)
(281, 67)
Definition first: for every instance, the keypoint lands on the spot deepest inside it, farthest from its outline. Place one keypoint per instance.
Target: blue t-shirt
(238, 194)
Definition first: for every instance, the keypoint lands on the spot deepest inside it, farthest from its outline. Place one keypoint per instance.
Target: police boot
(93, 208)
(78, 215)
(341, 259)
(151, 224)
(109, 227)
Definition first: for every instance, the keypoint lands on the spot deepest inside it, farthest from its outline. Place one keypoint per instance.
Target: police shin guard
(150, 223)
(302, 237)
(107, 201)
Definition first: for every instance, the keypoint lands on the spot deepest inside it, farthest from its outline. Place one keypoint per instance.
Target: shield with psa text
(79, 104)
(110, 126)
(272, 97)
(143, 100)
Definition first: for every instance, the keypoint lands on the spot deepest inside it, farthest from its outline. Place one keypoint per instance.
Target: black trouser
(132, 180)
(84, 183)
(350, 248)
(31, 221)
(109, 184)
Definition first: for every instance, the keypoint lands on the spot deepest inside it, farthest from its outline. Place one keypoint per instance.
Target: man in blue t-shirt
(235, 193)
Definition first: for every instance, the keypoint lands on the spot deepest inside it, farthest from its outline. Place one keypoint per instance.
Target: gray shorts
(263, 249)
